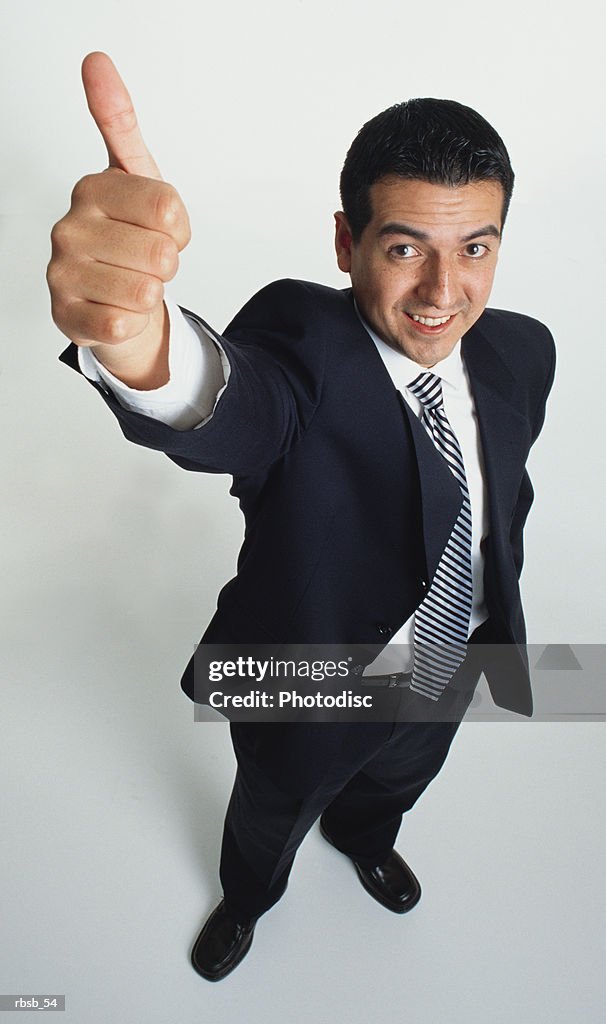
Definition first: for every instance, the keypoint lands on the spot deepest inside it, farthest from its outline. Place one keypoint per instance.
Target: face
(423, 267)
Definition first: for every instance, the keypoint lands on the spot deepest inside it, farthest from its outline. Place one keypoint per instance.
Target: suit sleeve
(526, 493)
(274, 386)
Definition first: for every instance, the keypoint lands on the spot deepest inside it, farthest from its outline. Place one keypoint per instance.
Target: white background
(112, 557)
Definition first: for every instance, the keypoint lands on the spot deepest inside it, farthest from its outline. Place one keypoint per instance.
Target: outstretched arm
(112, 253)
(118, 244)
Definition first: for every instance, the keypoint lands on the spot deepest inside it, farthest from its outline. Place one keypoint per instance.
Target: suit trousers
(376, 773)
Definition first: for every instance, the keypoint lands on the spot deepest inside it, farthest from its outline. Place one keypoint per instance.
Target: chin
(428, 354)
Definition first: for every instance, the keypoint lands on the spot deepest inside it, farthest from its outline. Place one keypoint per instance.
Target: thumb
(112, 109)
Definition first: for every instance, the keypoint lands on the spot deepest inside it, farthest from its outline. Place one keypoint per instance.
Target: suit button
(384, 630)
(423, 583)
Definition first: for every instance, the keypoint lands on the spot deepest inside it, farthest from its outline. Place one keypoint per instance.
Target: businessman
(377, 438)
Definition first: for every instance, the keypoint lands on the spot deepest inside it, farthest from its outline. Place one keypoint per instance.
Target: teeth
(429, 321)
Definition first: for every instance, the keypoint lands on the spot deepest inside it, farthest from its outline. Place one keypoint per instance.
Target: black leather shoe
(221, 944)
(392, 883)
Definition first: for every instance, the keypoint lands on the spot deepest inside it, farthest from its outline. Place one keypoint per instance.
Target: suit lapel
(504, 430)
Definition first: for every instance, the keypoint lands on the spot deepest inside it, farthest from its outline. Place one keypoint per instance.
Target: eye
(403, 251)
(475, 250)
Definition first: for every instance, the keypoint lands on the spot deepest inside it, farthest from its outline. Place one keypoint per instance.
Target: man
(377, 439)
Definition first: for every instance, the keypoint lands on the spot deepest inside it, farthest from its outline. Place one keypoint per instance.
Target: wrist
(140, 362)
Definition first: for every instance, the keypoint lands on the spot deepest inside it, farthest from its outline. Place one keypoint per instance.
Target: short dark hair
(440, 141)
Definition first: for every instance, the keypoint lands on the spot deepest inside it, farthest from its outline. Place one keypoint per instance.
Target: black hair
(439, 141)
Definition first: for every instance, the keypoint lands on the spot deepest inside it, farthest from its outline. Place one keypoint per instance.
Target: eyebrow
(395, 228)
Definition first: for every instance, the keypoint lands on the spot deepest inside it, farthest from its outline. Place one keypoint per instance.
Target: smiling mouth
(430, 321)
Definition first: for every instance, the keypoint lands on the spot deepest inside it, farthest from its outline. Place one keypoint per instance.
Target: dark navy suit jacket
(347, 505)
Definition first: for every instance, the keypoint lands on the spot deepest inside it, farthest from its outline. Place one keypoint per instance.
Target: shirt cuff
(198, 373)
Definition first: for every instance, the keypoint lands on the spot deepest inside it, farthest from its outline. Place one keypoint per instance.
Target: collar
(403, 370)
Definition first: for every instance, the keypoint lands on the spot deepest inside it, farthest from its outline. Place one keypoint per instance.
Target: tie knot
(428, 389)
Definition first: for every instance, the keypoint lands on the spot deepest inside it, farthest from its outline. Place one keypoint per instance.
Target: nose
(437, 287)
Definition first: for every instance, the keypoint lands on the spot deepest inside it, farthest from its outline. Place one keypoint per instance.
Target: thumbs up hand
(118, 243)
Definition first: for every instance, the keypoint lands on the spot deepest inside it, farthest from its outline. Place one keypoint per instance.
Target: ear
(343, 242)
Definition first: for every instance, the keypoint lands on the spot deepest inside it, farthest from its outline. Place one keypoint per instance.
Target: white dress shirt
(199, 370)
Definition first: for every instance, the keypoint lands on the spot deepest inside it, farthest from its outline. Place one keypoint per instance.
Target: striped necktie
(441, 624)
